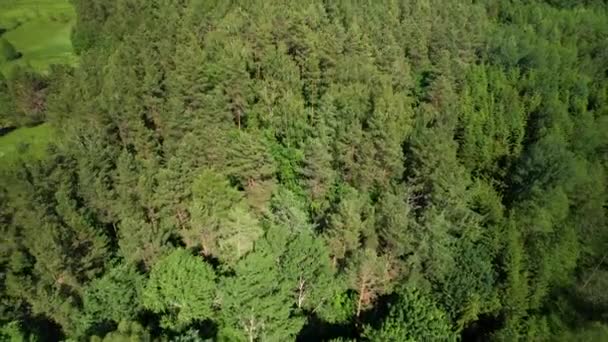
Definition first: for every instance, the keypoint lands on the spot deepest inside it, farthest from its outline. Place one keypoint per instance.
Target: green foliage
(254, 305)
(306, 269)
(115, 296)
(127, 331)
(275, 171)
(348, 224)
(393, 223)
(369, 275)
(220, 222)
(181, 288)
(248, 158)
(339, 308)
(470, 292)
(414, 317)
(592, 332)
(11, 332)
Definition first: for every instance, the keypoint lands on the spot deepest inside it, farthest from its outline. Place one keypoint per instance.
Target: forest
(306, 170)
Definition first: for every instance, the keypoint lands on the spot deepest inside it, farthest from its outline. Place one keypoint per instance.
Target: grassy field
(25, 143)
(39, 30)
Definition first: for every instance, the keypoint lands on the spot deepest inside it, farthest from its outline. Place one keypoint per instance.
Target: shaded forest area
(316, 171)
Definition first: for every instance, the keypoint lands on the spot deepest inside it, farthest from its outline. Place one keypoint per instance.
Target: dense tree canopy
(313, 170)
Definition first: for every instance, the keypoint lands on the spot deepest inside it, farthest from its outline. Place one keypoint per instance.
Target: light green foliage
(414, 317)
(289, 272)
(287, 212)
(127, 331)
(181, 288)
(340, 306)
(190, 335)
(11, 332)
(254, 306)
(220, 222)
(304, 260)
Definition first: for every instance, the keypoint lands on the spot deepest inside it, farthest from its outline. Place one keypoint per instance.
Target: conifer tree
(254, 306)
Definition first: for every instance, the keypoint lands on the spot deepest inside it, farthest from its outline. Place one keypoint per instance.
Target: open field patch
(39, 31)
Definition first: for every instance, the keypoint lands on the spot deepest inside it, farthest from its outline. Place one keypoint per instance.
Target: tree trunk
(360, 301)
(301, 292)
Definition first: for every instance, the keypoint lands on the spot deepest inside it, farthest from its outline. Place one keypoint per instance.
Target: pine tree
(393, 224)
(346, 226)
(319, 176)
(141, 237)
(248, 159)
(369, 275)
(254, 306)
(306, 266)
(220, 220)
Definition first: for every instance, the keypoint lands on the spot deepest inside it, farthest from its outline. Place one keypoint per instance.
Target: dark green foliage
(313, 170)
(7, 110)
(126, 331)
(115, 296)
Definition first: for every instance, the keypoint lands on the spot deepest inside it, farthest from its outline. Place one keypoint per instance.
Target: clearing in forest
(38, 31)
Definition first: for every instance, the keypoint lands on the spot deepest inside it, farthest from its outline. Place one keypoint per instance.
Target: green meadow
(39, 30)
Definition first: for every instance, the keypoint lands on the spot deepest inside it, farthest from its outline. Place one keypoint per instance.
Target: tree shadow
(44, 329)
(317, 329)
(482, 329)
